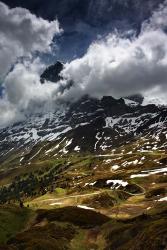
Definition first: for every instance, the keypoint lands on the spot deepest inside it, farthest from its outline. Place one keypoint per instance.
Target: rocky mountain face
(52, 73)
(88, 125)
(92, 172)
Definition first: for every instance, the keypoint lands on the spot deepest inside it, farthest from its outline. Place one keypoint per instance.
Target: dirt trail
(72, 196)
(61, 200)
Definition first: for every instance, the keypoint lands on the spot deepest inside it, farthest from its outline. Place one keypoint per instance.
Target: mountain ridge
(87, 125)
(89, 164)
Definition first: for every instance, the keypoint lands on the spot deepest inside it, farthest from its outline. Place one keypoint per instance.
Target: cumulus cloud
(116, 65)
(24, 94)
(22, 34)
(121, 66)
(23, 85)
(9, 113)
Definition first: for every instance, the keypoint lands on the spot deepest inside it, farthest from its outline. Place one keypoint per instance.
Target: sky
(83, 21)
(109, 47)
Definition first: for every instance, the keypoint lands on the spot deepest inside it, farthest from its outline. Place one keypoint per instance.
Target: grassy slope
(12, 220)
(79, 229)
(121, 207)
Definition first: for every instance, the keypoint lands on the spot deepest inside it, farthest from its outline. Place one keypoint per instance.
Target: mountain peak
(138, 98)
(52, 73)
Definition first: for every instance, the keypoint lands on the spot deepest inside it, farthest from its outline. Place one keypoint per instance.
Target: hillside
(91, 174)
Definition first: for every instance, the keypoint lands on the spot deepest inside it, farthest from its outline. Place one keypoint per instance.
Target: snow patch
(115, 167)
(85, 207)
(77, 149)
(117, 183)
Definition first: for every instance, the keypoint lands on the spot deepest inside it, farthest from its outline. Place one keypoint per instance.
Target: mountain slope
(88, 125)
(91, 171)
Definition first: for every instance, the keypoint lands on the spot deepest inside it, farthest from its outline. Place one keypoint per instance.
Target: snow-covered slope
(88, 125)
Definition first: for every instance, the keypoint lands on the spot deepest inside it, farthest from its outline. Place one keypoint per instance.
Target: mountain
(88, 125)
(52, 73)
(138, 98)
(89, 175)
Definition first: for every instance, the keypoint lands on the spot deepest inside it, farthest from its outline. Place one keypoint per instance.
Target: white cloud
(157, 96)
(114, 66)
(9, 113)
(119, 66)
(24, 94)
(22, 33)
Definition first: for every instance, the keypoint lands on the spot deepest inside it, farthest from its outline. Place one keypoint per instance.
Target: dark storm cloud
(98, 16)
(95, 12)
